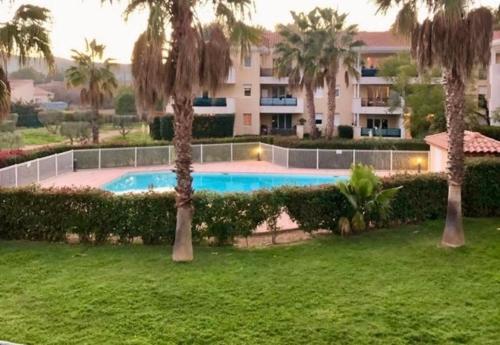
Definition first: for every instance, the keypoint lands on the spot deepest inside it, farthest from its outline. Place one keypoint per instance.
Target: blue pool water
(215, 182)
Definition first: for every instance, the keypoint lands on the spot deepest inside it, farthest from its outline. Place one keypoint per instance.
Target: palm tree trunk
(453, 235)
(94, 123)
(183, 117)
(311, 110)
(332, 106)
(183, 113)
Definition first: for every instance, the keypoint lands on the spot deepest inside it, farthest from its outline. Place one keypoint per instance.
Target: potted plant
(300, 128)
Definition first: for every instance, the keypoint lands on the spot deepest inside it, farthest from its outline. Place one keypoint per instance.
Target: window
(319, 119)
(247, 60)
(204, 94)
(282, 121)
(497, 58)
(247, 119)
(377, 123)
(337, 91)
(247, 90)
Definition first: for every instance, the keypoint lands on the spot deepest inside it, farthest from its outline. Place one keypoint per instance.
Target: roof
(496, 35)
(371, 39)
(20, 82)
(474, 142)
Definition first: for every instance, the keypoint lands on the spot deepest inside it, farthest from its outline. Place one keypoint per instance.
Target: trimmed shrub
(205, 126)
(124, 123)
(34, 214)
(125, 104)
(346, 132)
(345, 144)
(27, 115)
(489, 131)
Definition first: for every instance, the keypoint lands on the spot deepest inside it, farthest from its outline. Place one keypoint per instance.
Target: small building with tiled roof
(475, 144)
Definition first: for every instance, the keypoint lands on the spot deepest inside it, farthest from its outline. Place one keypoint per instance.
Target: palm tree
(147, 62)
(25, 35)
(298, 59)
(197, 57)
(457, 38)
(338, 49)
(97, 80)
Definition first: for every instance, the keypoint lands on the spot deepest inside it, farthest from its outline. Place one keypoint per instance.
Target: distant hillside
(122, 71)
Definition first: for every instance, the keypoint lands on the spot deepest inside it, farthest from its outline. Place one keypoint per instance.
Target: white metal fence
(43, 168)
(36, 170)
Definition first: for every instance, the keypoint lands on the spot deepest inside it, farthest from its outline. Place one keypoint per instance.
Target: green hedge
(346, 144)
(346, 132)
(489, 131)
(217, 126)
(27, 115)
(33, 214)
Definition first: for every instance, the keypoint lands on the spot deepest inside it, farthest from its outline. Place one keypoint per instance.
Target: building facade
(25, 91)
(264, 104)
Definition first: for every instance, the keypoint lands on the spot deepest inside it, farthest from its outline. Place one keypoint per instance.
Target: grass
(39, 136)
(386, 287)
(135, 138)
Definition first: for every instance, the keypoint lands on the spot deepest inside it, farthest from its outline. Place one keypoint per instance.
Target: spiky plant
(456, 37)
(97, 80)
(26, 36)
(196, 57)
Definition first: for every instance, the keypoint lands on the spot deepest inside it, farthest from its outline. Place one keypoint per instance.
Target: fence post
(16, 175)
(57, 165)
(391, 168)
(135, 157)
(287, 158)
(38, 170)
(231, 152)
(353, 157)
(201, 153)
(272, 154)
(100, 150)
(169, 155)
(317, 159)
(72, 160)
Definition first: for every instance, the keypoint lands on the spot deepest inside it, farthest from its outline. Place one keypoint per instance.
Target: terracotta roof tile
(382, 39)
(474, 142)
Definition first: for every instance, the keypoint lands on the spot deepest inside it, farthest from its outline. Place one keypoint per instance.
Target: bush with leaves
(370, 203)
(125, 103)
(10, 140)
(75, 131)
(51, 120)
(124, 123)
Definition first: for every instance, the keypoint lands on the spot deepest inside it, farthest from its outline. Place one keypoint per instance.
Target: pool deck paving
(96, 178)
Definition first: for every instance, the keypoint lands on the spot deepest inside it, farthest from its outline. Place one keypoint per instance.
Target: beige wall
(438, 159)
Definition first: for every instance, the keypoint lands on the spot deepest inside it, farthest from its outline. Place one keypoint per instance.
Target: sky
(75, 20)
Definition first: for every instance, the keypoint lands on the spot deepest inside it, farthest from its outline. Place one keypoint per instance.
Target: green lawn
(386, 287)
(39, 136)
(135, 138)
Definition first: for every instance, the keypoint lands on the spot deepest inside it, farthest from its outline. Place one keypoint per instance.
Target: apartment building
(264, 104)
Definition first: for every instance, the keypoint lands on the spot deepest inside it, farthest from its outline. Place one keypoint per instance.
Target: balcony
(369, 72)
(268, 76)
(282, 101)
(381, 132)
(282, 105)
(373, 106)
(210, 106)
(209, 102)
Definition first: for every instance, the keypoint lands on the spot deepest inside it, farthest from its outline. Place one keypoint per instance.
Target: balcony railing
(283, 131)
(375, 102)
(283, 101)
(369, 72)
(381, 132)
(209, 102)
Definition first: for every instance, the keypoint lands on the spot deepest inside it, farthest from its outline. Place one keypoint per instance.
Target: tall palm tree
(197, 57)
(457, 38)
(339, 45)
(97, 80)
(25, 35)
(299, 60)
(147, 62)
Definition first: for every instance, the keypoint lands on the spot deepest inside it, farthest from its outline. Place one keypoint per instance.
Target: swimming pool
(215, 182)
